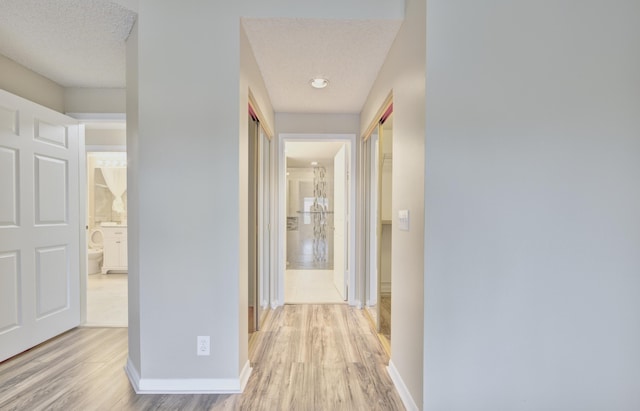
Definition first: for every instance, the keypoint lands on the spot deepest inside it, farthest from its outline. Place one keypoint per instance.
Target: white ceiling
(300, 154)
(348, 53)
(76, 43)
(81, 43)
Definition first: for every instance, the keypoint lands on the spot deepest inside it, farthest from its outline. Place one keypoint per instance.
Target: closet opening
(377, 221)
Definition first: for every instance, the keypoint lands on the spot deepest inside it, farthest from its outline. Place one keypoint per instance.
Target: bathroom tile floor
(310, 286)
(107, 300)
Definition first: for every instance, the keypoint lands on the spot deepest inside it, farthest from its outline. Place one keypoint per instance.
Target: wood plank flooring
(306, 357)
(385, 315)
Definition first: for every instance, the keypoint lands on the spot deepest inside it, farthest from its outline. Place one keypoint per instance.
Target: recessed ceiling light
(314, 163)
(319, 82)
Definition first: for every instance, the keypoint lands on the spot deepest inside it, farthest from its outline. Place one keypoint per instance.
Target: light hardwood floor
(385, 315)
(306, 357)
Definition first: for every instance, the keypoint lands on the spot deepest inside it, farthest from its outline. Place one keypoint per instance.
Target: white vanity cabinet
(115, 248)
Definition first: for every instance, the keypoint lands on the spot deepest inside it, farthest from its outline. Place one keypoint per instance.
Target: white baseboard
(385, 287)
(403, 391)
(187, 385)
(245, 374)
(133, 375)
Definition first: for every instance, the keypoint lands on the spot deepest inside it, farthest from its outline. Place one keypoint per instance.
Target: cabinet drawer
(114, 233)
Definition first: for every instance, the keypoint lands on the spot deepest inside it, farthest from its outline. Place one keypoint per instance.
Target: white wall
(105, 136)
(532, 205)
(28, 84)
(404, 74)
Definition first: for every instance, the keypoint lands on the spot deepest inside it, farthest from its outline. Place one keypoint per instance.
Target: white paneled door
(39, 224)
(340, 208)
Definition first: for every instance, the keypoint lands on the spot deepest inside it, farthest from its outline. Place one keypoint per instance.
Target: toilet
(95, 251)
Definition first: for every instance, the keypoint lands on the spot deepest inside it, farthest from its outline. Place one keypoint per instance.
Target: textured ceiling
(349, 53)
(76, 43)
(81, 43)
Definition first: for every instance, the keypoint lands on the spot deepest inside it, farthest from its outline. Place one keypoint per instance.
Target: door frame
(265, 224)
(260, 149)
(83, 120)
(281, 256)
(369, 251)
(339, 220)
(264, 287)
(84, 223)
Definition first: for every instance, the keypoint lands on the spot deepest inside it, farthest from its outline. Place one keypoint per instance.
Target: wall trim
(91, 148)
(132, 374)
(253, 105)
(245, 374)
(403, 391)
(103, 117)
(187, 385)
(376, 119)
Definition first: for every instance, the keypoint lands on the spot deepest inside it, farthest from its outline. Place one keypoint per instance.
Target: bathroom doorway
(107, 239)
(316, 200)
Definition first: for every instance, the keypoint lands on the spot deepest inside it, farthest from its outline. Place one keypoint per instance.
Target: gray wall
(312, 123)
(192, 268)
(94, 100)
(403, 74)
(133, 202)
(28, 84)
(532, 205)
(188, 263)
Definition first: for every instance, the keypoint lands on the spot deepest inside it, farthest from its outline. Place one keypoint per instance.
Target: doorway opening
(316, 202)
(106, 225)
(377, 187)
(260, 216)
(107, 240)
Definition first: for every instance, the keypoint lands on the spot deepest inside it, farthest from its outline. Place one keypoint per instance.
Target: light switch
(403, 220)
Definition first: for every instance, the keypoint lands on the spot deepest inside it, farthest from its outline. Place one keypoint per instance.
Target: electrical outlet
(204, 345)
